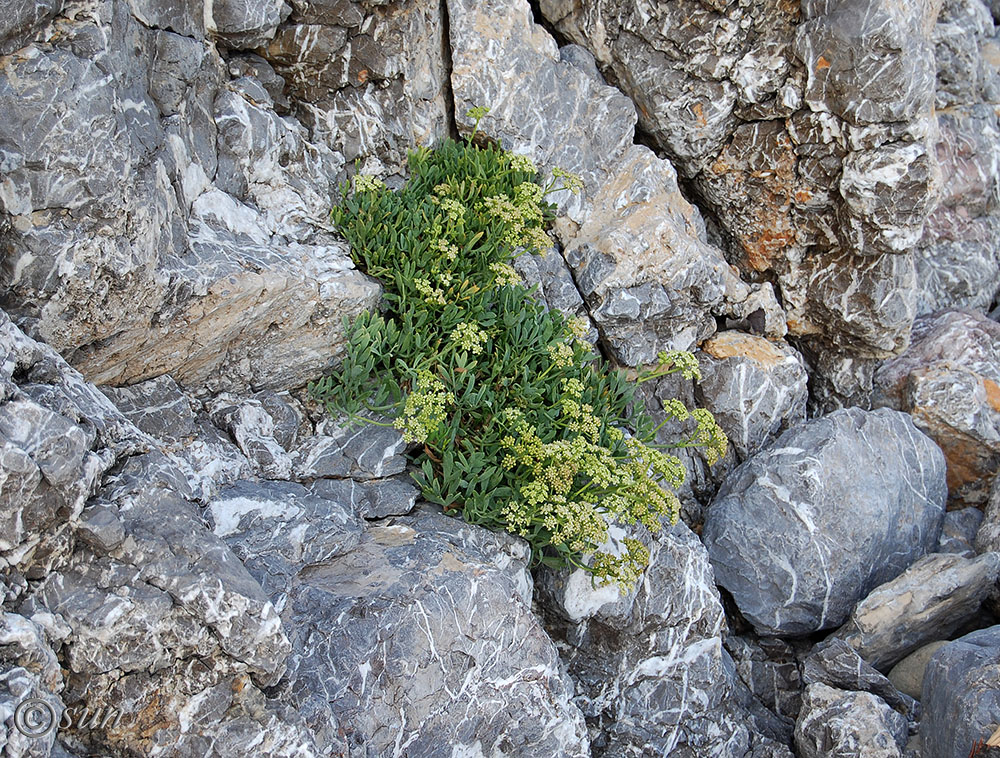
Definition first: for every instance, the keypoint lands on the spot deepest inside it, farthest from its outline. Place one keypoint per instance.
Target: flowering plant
(519, 425)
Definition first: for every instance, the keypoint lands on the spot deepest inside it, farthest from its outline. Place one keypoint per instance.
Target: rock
(961, 698)
(835, 663)
(755, 388)
(282, 526)
(761, 101)
(958, 532)
(988, 535)
(949, 381)
(930, 600)
(30, 683)
(185, 436)
(834, 722)
(650, 669)
(908, 675)
(807, 527)
(636, 247)
(395, 496)
(22, 18)
(252, 428)
(389, 87)
(413, 636)
(342, 449)
(770, 668)
(196, 244)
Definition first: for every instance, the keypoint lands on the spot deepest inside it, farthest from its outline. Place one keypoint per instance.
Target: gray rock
(956, 260)
(755, 388)
(949, 381)
(22, 18)
(344, 449)
(760, 101)
(836, 723)
(937, 595)
(958, 532)
(277, 528)
(908, 675)
(376, 499)
(770, 668)
(29, 671)
(961, 697)
(112, 199)
(634, 244)
(252, 429)
(806, 528)
(415, 636)
(835, 663)
(650, 669)
(988, 535)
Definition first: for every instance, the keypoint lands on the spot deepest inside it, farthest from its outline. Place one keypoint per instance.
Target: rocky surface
(960, 696)
(780, 187)
(798, 541)
(635, 656)
(838, 723)
(949, 382)
(937, 595)
(637, 249)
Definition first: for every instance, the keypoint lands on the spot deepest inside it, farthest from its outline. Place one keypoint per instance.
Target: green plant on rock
(519, 425)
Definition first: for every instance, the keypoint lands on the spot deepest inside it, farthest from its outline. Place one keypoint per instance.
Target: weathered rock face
(637, 659)
(807, 130)
(755, 388)
(169, 220)
(806, 528)
(958, 532)
(929, 601)
(838, 723)
(636, 248)
(949, 382)
(407, 635)
(960, 694)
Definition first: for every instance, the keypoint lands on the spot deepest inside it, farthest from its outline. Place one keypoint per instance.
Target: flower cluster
(425, 408)
(430, 293)
(561, 354)
(523, 163)
(570, 181)
(679, 361)
(709, 436)
(365, 183)
(469, 337)
(504, 275)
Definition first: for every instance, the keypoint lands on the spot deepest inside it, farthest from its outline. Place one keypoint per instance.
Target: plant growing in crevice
(520, 427)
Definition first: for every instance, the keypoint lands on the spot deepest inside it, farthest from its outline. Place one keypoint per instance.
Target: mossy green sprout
(517, 425)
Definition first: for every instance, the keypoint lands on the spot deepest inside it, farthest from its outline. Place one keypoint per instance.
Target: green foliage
(520, 426)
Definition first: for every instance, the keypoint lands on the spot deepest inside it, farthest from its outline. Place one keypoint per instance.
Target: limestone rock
(949, 381)
(838, 723)
(807, 527)
(988, 535)
(835, 663)
(23, 17)
(958, 532)
(908, 674)
(930, 600)
(755, 388)
(961, 698)
(169, 221)
(637, 249)
(345, 449)
(412, 638)
(650, 669)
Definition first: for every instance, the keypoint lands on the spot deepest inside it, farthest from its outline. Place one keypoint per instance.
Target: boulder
(933, 598)
(908, 675)
(807, 527)
(948, 380)
(419, 634)
(649, 665)
(961, 694)
(636, 247)
(837, 724)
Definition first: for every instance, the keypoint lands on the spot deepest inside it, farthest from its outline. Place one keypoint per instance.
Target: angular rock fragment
(837, 723)
(930, 600)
